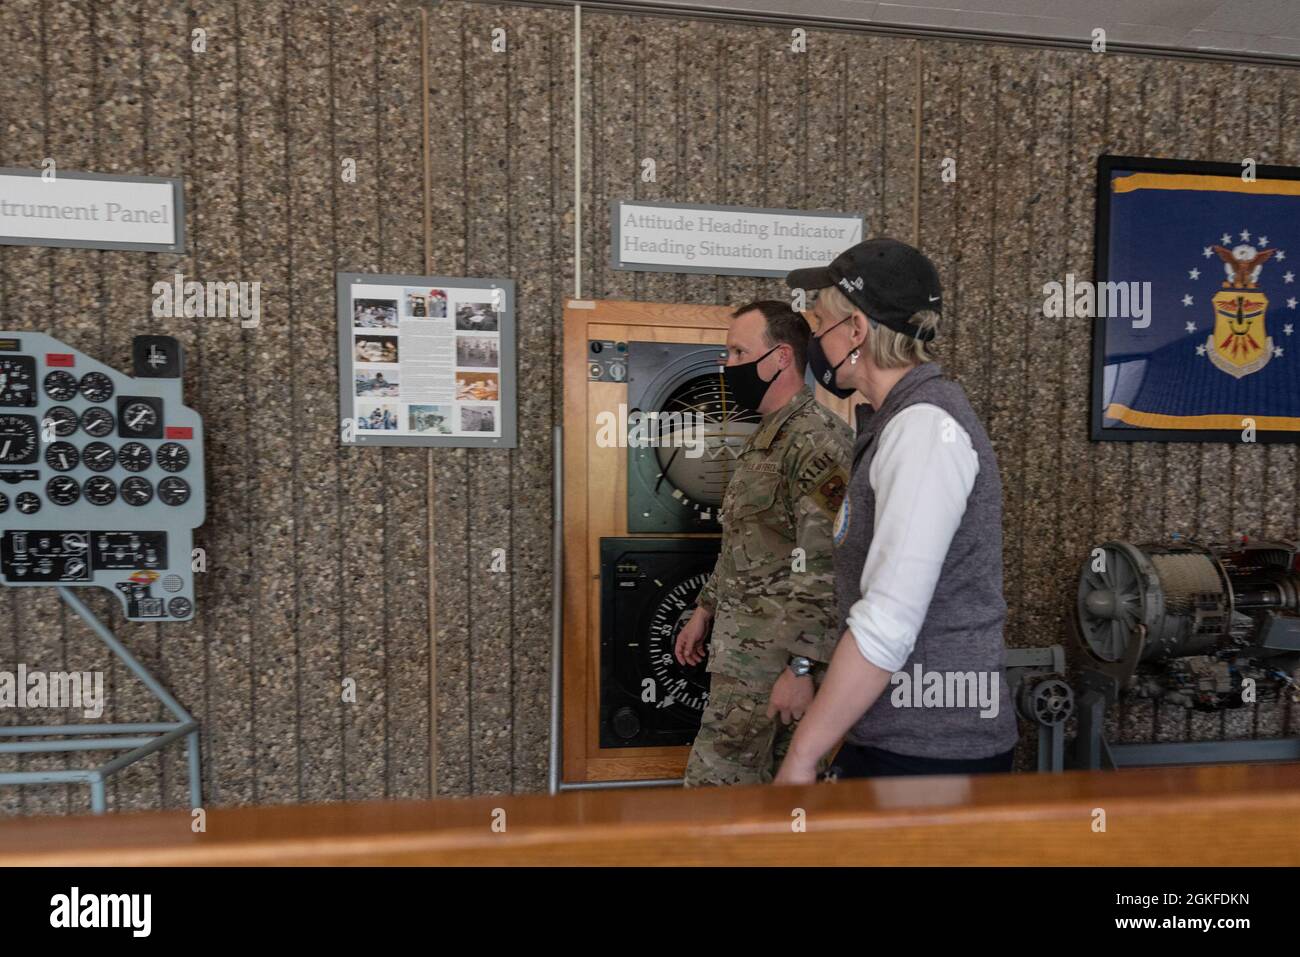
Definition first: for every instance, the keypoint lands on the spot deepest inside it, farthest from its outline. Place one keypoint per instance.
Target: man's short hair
(784, 326)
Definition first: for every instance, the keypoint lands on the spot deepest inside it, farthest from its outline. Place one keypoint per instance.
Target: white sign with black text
(91, 210)
(726, 240)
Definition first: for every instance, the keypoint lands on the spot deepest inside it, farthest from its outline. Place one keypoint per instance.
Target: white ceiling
(1239, 28)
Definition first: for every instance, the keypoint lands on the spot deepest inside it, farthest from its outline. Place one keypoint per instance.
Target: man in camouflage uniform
(771, 597)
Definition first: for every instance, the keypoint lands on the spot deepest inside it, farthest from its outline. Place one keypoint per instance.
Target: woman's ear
(861, 329)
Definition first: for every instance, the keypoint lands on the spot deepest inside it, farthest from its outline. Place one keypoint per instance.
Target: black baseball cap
(888, 280)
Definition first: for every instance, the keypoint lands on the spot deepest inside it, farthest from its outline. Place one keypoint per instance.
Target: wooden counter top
(1178, 816)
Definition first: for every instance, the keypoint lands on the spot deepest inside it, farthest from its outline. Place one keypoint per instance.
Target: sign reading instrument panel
(726, 240)
(91, 210)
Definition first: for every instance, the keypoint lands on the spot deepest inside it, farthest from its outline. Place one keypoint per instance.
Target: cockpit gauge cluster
(101, 474)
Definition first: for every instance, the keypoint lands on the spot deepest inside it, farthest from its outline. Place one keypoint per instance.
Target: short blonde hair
(889, 349)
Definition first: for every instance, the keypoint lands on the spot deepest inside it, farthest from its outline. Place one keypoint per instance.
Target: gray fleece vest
(933, 707)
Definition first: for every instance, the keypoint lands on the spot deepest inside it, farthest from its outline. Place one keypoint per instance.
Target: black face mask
(822, 369)
(744, 383)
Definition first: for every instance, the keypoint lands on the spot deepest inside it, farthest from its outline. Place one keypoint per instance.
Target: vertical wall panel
(406, 568)
(315, 181)
(360, 225)
(449, 160)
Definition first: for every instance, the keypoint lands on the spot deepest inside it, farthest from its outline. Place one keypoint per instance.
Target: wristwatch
(800, 666)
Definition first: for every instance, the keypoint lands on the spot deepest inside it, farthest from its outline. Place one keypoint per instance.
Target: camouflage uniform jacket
(770, 601)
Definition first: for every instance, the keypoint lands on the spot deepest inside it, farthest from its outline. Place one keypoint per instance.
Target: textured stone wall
(320, 556)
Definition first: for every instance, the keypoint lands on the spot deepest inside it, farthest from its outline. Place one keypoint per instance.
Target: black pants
(860, 761)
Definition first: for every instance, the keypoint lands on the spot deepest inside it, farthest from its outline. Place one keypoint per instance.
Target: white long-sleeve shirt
(922, 474)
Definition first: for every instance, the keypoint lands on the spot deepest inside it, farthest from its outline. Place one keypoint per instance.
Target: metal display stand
(138, 740)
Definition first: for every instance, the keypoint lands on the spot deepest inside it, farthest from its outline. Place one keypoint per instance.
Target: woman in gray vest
(917, 679)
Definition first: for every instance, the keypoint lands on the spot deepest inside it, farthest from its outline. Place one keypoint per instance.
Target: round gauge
(671, 486)
(17, 380)
(139, 417)
(61, 386)
(134, 457)
(100, 490)
(61, 419)
(29, 503)
(62, 456)
(97, 422)
(17, 439)
(173, 457)
(96, 387)
(137, 491)
(4, 503)
(681, 687)
(174, 491)
(63, 490)
(98, 456)
(179, 607)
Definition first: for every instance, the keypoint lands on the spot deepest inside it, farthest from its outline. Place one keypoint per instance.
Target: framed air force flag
(1197, 302)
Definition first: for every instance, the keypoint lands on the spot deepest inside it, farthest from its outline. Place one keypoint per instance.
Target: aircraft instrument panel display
(101, 474)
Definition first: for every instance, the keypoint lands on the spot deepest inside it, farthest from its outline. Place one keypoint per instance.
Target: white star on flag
(1289, 276)
(1195, 274)
(1277, 352)
(1263, 240)
(1280, 255)
(1290, 303)
(1245, 234)
(1287, 329)
(1226, 239)
(1209, 251)
(1187, 301)
(1191, 327)
(1200, 350)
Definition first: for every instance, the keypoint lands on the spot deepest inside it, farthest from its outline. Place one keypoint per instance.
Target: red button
(179, 432)
(65, 359)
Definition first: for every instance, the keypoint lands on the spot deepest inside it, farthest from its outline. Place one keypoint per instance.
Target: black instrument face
(18, 436)
(139, 417)
(97, 422)
(29, 503)
(174, 491)
(98, 456)
(96, 387)
(135, 457)
(63, 490)
(61, 386)
(100, 490)
(648, 591)
(62, 456)
(173, 457)
(137, 491)
(18, 381)
(61, 419)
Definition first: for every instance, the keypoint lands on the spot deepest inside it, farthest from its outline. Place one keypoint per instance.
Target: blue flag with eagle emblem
(1222, 256)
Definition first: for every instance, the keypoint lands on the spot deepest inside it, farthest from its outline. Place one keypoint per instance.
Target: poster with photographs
(426, 360)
